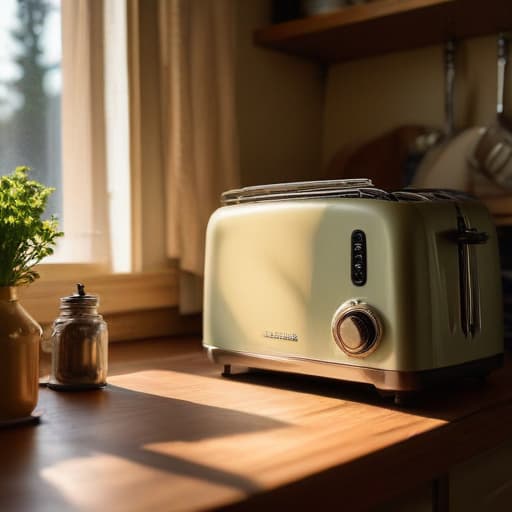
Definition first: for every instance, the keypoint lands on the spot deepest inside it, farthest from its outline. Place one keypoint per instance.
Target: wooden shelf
(384, 26)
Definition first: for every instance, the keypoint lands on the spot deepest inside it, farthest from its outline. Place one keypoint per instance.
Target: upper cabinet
(383, 26)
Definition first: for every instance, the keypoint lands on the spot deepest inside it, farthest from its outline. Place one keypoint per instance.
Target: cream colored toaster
(343, 280)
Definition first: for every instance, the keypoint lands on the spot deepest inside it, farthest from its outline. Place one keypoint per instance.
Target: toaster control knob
(356, 329)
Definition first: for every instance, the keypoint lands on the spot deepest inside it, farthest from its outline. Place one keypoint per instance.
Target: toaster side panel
(276, 273)
(451, 345)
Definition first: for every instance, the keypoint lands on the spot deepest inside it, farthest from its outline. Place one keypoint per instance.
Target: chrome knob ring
(356, 329)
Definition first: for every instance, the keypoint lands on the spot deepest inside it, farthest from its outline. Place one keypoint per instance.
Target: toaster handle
(466, 237)
(471, 236)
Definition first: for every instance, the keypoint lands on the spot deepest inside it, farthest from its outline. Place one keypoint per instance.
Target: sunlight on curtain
(200, 144)
(85, 201)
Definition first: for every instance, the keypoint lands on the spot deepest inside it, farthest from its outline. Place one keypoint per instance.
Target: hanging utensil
(492, 156)
(449, 63)
(426, 148)
(424, 176)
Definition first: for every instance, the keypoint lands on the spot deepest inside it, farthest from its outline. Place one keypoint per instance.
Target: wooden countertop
(169, 433)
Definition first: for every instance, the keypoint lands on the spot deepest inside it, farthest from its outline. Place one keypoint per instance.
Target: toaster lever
(466, 238)
(471, 236)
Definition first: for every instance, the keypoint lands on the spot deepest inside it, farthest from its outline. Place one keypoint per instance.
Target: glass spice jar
(79, 344)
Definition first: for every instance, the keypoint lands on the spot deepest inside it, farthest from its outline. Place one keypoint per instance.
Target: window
(72, 100)
(30, 91)
(32, 69)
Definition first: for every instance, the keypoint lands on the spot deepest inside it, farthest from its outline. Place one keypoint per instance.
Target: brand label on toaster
(277, 335)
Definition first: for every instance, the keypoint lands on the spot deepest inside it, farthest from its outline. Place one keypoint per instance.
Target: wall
(365, 98)
(294, 115)
(280, 101)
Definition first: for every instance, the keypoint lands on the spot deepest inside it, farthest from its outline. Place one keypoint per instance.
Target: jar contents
(79, 344)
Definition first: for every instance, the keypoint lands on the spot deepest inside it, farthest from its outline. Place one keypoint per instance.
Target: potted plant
(25, 239)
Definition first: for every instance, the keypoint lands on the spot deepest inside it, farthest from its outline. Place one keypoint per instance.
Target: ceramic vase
(20, 337)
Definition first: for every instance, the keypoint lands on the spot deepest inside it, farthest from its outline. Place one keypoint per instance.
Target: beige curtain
(198, 126)
(85, 200)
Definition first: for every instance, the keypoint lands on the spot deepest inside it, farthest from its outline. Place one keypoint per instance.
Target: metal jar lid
(80, 298)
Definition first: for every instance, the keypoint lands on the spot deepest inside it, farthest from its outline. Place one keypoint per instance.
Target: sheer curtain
(85, 200)
(198, 127)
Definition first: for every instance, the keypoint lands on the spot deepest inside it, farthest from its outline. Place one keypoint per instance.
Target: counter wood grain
(169, 433)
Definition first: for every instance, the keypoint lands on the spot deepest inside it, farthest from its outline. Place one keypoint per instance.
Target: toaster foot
(403, 398)
(400, 398)
(227, 370)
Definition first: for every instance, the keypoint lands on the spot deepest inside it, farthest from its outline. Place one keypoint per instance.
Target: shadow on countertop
(113, 422)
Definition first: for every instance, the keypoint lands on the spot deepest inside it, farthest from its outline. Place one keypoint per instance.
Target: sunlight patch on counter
(99, 481)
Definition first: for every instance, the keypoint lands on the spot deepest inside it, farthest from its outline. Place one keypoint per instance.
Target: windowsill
(137, 305)
(118, 293)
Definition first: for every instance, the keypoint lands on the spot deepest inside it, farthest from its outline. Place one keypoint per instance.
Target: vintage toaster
(340, 279)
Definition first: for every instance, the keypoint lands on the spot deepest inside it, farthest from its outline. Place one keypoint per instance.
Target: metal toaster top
(354, 188)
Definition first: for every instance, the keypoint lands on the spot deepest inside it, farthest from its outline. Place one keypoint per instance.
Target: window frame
(121, 296)
(150, 292)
